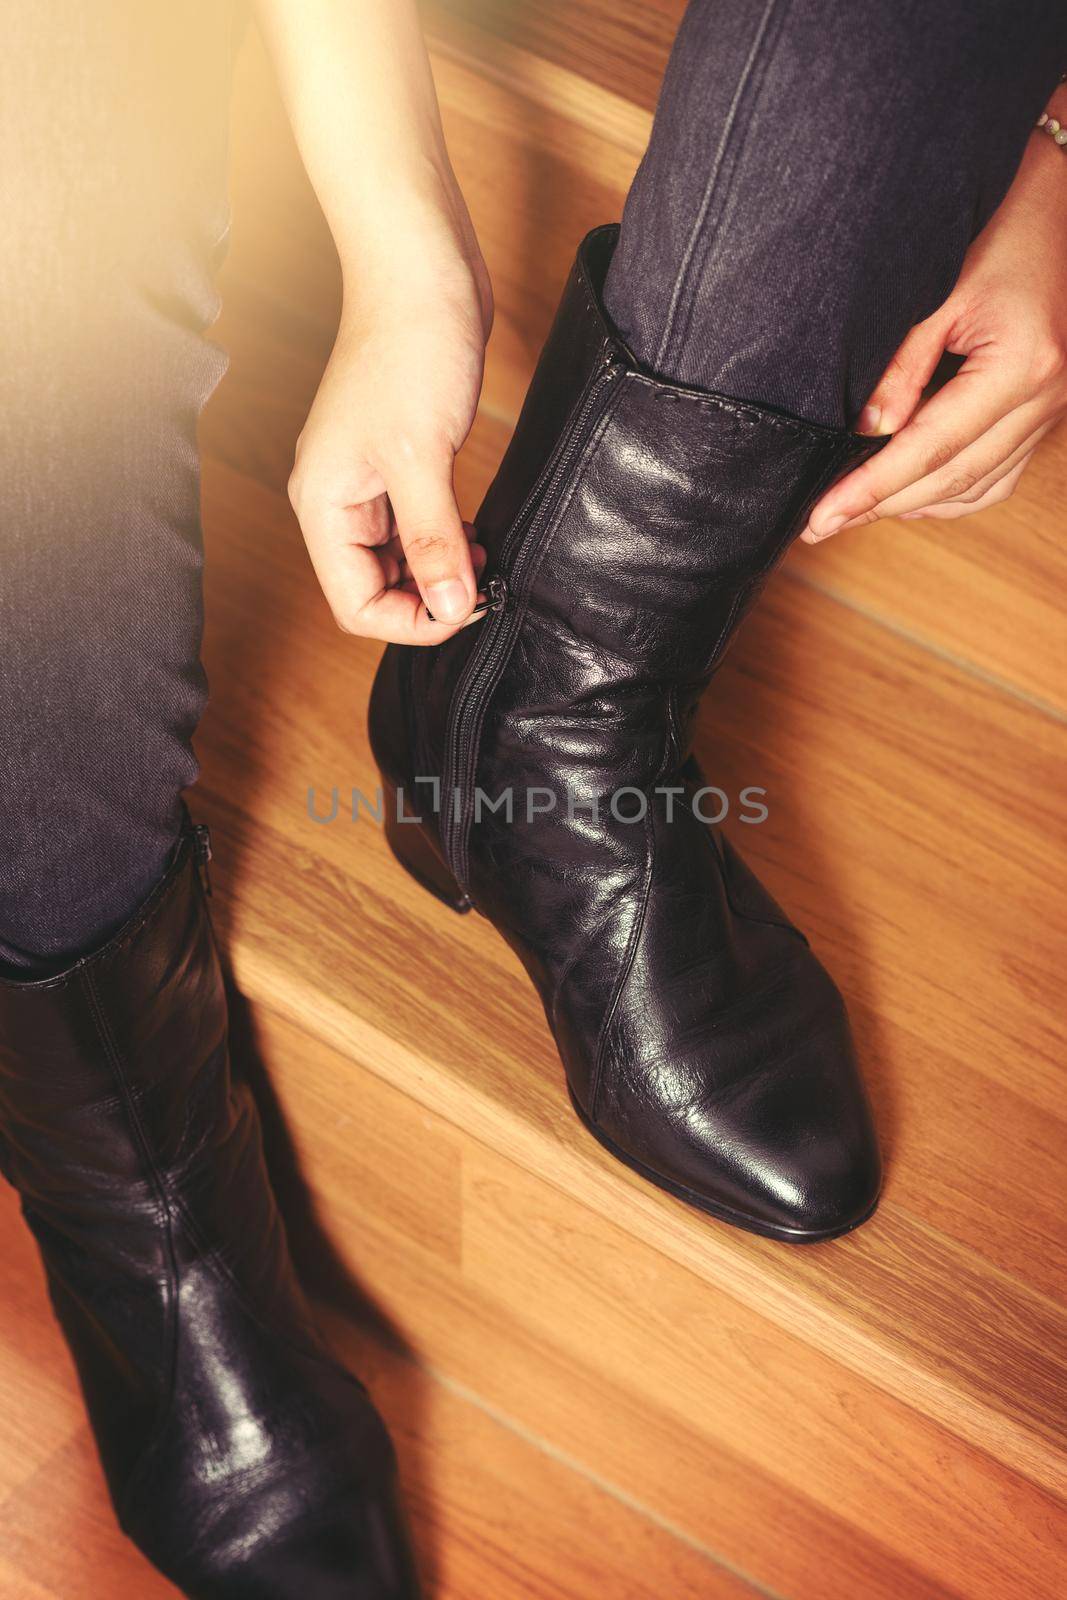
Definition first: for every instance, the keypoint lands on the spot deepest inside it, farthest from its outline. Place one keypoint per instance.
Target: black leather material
(241, 1458)
(634, 522)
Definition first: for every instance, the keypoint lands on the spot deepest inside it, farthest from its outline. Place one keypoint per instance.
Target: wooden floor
(597, 1394)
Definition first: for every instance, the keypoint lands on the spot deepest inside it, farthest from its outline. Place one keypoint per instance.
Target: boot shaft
(106, 1067)
(632, 523)
(632, 516)
(119, 1123)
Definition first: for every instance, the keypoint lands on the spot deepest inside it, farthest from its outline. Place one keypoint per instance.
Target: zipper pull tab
(202, 852)
(496, 596)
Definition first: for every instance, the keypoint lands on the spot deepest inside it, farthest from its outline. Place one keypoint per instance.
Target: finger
(431, 531)
(996, 490)
(479, 561)
(399, 616)
(395, 612)
(989, 458)
(963, 484)
(966, 408)
(970, 494)
(352, 552)
(1021, 454)
(391, 559)
(479, 554)
(899, 389)
(356, 575)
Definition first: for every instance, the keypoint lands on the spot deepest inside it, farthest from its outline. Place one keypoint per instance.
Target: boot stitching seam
(114, 1059)
(630, 954)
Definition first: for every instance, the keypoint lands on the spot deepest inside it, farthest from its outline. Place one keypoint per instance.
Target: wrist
(389, 196)
(417, 239)
(1043, 170)
(1056, 105)
(1051, 129)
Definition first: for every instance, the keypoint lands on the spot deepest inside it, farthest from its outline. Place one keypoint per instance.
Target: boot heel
(412, 847)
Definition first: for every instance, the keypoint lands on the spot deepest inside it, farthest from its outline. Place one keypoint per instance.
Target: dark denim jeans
(815, 173)
(113, 146)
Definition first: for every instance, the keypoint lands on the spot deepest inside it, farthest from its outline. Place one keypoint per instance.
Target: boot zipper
(498, 632)
(202, 853)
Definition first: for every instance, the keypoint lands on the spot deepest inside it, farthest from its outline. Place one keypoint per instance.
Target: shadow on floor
(329, 1283)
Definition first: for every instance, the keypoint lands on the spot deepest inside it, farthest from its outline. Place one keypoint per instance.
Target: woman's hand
(966, 447)
(372, 484)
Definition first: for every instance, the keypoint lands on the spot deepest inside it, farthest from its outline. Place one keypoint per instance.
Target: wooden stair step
(799, 1472)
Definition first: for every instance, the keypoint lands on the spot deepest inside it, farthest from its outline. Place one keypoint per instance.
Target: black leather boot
(630, 527)
(241, 1458)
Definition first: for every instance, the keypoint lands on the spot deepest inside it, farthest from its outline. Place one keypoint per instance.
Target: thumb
(899, 389)
(432, 534)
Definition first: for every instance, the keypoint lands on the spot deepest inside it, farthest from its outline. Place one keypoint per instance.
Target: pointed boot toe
(354, 1549)
(766, 1127)
(324, 1532)
(277, 1482)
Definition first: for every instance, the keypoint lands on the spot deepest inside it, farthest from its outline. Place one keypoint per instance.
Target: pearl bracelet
(1052, 125)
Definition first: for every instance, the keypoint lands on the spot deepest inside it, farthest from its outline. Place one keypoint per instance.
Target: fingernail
(869, 418)
(830, 526)
(448, 601)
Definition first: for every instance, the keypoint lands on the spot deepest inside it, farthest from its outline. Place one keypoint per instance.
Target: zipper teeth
(472, 691)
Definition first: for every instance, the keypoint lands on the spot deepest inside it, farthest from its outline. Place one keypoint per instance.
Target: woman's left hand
(372, 483)
(966, 447)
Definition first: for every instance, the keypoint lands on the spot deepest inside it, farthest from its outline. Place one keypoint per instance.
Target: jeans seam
(675, 328)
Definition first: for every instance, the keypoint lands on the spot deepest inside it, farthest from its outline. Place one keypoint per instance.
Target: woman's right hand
(966, 448)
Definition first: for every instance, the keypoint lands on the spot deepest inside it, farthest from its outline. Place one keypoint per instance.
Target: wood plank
(987, 590)
(497, 1515)
(16, 1585)
(28, 1367)
(824, 1485)
(622, 47)
(58, 1531)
